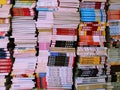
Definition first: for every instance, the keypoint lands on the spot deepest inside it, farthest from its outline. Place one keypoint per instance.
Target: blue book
(57, 54)
(88, 14)
(87, 9)
(67, 86)
(42, 74)
(2, 37)
(45, 9)
(88, 19)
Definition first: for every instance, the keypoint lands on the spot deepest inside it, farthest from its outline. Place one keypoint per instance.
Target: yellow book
(3, 1)
(90, 60)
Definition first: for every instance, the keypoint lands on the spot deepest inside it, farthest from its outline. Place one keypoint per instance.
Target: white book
(64, 38)
(47, 3)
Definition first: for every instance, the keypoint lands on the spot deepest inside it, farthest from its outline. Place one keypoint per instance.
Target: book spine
(58, 61)
(45, 9)
(89, 60)
(44, 83)
(62, 31)
(67, 44)
(5, 63)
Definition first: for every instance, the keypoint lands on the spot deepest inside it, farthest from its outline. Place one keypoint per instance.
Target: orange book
(90, 60)
(113, 12)
(114, 17)
(115, 36)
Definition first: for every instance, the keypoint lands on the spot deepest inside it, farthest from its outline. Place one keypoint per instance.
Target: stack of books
(23, 25)
(23, 32)
(114, 56)
(4, 24)
(5, 59)
(56, 40)
(62, 47)
(91, 33)
(114, 22)
(90, 14)
(59, 71)
(44, 25)
(92, 68)
(67, 15)
(114, 40)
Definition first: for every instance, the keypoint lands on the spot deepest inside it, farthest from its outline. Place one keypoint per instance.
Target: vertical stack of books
(114, 40)
(114, 22)
(23, 32)
(92, 68)
(5, 60)
(44, 24)
(62, 47)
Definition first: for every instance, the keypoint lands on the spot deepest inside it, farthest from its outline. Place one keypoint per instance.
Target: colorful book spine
(91, 51)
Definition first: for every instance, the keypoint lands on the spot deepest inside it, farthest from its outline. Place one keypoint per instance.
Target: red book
(5, 67)
(65, 31)
(93, 28)
(5, 60)
(98, 5)
(92, 23)
(5, 71)
(5, 63)
(26, 11)
(38, 83)
(44, 83)
(114, 17)
(2, 33)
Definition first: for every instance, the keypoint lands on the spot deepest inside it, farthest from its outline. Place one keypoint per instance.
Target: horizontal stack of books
(4, 24)
(5, 59)
(62, 47)
(59, 71)
(67, 15)
(114, 22)
(114, 56)
(23, 32)
(57, 38)
(44, 25)
(114, 40)
(92, 69)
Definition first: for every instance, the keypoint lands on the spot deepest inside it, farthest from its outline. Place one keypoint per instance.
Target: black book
(58, 61)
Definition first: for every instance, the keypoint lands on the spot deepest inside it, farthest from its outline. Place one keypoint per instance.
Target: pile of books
(63, 43)
(59, 72)
(67, 15)
(114, 56)
(44, 25)
(57, 37)
(4, 24)
(92, 68)
(23, 32)
(5, 59)
(114, 40)
(114, 22)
